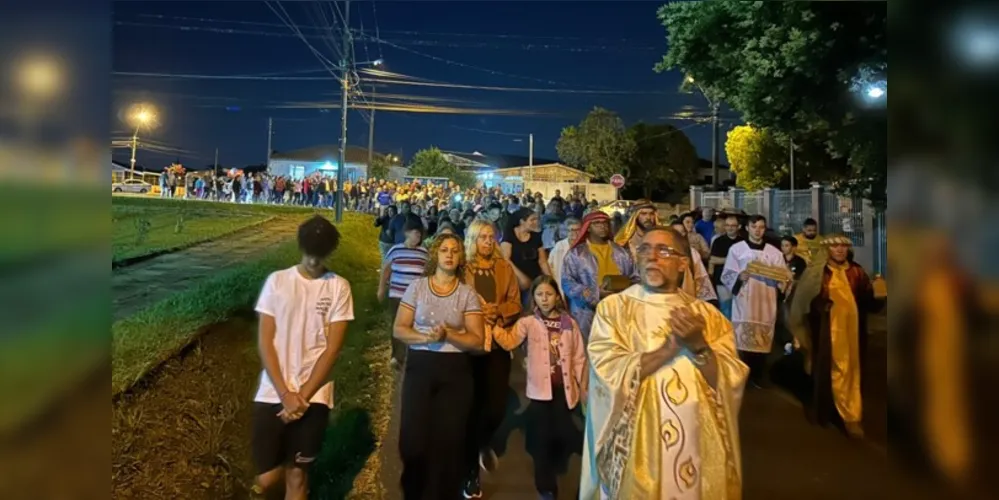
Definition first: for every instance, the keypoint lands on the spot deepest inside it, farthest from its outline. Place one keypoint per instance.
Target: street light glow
(378, 62)
(143, 115)
(40, 76)
(875, 92)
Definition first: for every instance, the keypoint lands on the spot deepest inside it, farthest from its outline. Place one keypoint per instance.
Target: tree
(756, 158)
(379, 168)
(664, 159)
(599, 145)
(797, 69)
(432, 163)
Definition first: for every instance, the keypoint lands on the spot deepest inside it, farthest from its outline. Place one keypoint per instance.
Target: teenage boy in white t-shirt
(304, 312)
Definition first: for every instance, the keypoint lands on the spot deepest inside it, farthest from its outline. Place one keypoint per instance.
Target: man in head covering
(591, 258)
(829, 319)
(644, 217)
(666, 386)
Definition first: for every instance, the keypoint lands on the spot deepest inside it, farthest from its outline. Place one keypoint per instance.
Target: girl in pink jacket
(556, 380)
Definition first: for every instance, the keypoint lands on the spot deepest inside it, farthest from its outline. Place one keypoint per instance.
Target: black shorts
(276, 444)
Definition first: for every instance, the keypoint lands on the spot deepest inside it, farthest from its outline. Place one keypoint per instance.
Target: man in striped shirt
(403, 264)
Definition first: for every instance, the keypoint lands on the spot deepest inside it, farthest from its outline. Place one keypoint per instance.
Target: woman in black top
(523, 247)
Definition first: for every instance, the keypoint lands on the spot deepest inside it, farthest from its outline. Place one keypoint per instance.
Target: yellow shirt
(807, 248)
(605, 261)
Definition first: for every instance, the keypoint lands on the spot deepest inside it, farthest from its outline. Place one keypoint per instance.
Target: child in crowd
(556, 380)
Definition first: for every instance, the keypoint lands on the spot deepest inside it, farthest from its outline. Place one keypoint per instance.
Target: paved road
(139, 285)
(783, 455)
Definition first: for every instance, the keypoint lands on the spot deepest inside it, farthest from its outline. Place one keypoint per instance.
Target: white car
(131, 186)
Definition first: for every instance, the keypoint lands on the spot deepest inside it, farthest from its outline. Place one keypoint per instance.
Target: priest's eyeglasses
(661, 251)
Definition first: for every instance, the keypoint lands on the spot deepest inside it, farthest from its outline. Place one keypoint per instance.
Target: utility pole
(530, 158)
(345, 90)
(216, 162)
(792, 169)
(371, 133)
(270, 134)
(714, 145)
(135, 142)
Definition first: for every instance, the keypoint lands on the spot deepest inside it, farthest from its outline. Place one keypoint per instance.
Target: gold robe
(670, 436)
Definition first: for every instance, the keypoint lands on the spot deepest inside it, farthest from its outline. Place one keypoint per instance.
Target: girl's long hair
(471, 240)
(432, 263)
(544, 279)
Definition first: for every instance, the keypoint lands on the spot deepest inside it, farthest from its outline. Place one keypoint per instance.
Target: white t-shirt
(301, 308)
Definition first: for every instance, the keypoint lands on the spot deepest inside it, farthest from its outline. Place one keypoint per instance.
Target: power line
(516, 89)
(505, 36)
(493, 132)
(191, 76)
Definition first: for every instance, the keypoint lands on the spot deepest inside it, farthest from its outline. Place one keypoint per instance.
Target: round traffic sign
(617, 180)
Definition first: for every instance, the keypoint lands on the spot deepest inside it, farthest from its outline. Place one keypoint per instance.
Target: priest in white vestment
(666, 385)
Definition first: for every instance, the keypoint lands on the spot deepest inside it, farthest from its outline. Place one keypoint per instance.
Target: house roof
(702, 163)
(543, 169)
(325, 152)
(493, 161)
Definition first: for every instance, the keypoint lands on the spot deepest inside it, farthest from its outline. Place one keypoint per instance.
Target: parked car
(616, 207)
(131, 186)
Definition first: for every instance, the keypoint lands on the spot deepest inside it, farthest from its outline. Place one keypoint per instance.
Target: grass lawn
(142, 230)
(161, 419)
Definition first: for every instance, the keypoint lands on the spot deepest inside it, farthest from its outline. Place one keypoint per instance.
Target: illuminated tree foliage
(599, 145)
(793, 68)
(379, 168)
(431, 162)
(755, 157)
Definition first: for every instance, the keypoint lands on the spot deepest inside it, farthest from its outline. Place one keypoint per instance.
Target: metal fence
(881, 249)
(752, 203)
(714, 199)
(791, 209)
(844, 216)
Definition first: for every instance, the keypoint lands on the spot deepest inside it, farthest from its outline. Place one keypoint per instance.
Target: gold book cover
(762, 270)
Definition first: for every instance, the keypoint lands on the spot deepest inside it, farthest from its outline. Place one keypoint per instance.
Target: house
(324, 159)
(479, 163)
(705, 174)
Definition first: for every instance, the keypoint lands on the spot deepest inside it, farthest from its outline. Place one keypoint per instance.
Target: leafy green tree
(379, 168)
(599, 145)
(664, 159)
(797, 69)
(431, 162)
(756, 158)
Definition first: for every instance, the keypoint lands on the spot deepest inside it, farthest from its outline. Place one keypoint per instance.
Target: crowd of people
(650, 330)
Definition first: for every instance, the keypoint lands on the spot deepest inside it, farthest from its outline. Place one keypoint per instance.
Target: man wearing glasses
(665, 388)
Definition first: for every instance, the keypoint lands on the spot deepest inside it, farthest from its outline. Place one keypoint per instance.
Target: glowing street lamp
(875, 92)
(40, 76)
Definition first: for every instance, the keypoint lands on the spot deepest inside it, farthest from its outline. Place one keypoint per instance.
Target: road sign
(617, 180)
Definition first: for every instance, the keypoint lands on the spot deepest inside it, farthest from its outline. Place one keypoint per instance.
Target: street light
(714, 130)
(40, 76)
(143, 115)
(875, 92)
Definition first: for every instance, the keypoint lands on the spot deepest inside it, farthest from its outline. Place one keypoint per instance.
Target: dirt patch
(185, 432)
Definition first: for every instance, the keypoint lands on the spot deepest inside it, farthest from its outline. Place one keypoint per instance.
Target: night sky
(574, 47)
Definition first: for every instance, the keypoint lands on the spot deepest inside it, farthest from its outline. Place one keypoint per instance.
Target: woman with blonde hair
(494, 280)
(440, 319)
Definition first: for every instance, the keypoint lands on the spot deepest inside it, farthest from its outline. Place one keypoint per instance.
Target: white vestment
(754, 307)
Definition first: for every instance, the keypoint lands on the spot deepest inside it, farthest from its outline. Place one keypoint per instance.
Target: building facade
(323, 160)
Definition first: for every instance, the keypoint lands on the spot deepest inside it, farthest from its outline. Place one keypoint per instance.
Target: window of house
(297, 171)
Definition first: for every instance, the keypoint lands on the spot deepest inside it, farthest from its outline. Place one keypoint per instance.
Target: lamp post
(714, 132)
(143, 116)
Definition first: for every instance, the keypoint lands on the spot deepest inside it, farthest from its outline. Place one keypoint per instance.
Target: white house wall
(288, 168)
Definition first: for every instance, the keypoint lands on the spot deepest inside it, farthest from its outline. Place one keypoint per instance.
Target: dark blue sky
(572, 46)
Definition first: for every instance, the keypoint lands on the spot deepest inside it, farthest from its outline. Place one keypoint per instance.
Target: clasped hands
(294, 406)
(687, 329)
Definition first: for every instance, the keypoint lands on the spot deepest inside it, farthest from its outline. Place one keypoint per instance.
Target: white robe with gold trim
(670, 436)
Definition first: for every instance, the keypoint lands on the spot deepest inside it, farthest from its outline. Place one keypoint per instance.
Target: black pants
(436, 401)
(552, 436)
(491, 382)
(399, 347)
